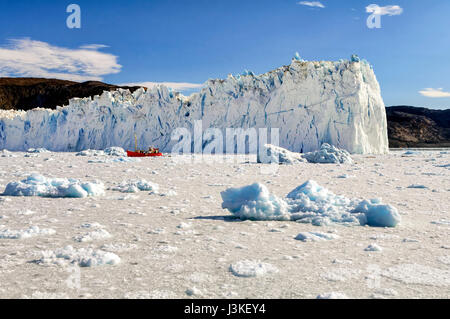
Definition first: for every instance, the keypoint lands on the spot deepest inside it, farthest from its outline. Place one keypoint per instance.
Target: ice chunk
(355, 58)
(98, 234)
(307, 203)
(136, 186)
(373, 247)
(250, 268)
(254, 202)
(33, 231)
(378, 214)
(90, 153)
(411, 153)
(315, 236)
(329, 154)
(6, 153)
(271, 154)
(298, 58)
(83, 257)
(312, 203)
(417, 186)
(115, 151)
(115, 160)
(332, 295)
(37, 150)
(38, 185)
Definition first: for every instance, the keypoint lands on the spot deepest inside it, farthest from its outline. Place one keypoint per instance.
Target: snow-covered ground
(171, 238)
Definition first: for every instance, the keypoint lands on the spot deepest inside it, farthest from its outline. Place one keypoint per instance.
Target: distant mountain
(28, 93)
(410, 126)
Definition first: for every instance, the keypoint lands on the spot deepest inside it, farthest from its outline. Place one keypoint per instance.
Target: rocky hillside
(28, 93)
(410, 126)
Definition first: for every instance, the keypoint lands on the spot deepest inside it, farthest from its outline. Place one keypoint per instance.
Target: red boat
(142, 154)
(152, 152)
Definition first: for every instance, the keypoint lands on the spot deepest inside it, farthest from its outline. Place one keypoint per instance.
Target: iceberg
(38, 185)
(378, 214)
(254, 202)
(308, 203)
(271, 154)
(329, 154)
(310, 102)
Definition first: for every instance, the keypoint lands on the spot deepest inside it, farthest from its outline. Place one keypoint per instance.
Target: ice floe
(308, 203)
(415, 274)
(115, 160)
(134, 186)
(315, 236)
(37, 150)
(373, 247)
(341, 274)
(98, 234)
(418, 186)
(110, 151)
(251, 268)
(90, 153)
(83, 257)
(33, 231)
(38, 185)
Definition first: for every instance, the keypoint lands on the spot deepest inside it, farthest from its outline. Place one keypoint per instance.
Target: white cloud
(177, 86)
(316, 4)
(30, 58)
(387, 10)
(434, 93)
(93, 46)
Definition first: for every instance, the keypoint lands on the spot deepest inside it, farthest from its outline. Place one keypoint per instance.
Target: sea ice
(38, 185)
(415, 274)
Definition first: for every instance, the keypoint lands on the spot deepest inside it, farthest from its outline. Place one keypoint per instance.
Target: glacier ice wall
(310, 102)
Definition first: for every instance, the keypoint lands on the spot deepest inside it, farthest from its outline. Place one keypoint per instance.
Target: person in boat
(153, 150)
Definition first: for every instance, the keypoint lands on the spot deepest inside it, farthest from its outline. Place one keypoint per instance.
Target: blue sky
(191, 41)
